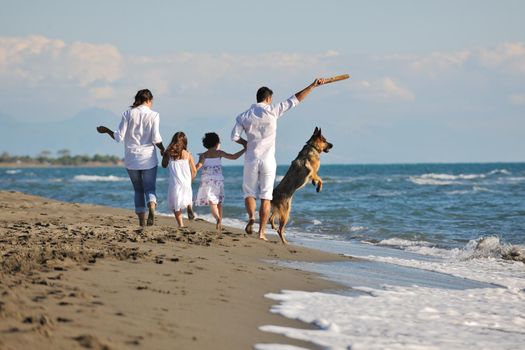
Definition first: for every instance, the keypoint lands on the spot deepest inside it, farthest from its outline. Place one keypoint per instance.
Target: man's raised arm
(301, 95)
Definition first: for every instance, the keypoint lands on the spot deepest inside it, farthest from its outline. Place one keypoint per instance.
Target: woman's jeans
(144, 185)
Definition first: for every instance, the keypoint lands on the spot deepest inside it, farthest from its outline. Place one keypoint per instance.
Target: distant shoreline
(43, 165)
(121, 164)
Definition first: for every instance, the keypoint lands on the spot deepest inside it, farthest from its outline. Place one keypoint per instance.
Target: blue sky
(432, 81)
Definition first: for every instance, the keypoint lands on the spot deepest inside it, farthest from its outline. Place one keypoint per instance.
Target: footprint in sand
(90, 342)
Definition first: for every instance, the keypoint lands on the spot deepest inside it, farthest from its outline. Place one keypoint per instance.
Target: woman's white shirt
(139, 129)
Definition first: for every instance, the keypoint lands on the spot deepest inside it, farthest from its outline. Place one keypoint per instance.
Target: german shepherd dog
(302, 170)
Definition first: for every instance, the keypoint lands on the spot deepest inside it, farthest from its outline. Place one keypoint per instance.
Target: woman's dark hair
(142, 96)
(210, 140)
(179, 142)
(263, 93)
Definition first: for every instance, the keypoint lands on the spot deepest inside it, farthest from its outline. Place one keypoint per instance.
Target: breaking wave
(449, 179)
(491, 247)
(94, 178)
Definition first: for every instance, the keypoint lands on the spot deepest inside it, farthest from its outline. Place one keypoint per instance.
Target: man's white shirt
(259, 123)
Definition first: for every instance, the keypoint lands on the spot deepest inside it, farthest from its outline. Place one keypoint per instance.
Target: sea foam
(95, 178)
(406, 318)
(449, 179)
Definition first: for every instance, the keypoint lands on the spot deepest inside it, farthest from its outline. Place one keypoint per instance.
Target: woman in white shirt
(139, 129)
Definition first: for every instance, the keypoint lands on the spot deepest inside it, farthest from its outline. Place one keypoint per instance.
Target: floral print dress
(211, 189)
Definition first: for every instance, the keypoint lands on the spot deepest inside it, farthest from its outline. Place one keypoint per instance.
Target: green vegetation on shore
(63, 157)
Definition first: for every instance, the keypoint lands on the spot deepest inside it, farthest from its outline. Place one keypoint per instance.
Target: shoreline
(77, 276)
(40, 165)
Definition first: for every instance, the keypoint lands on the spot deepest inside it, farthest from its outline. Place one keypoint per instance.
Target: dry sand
(78, 276)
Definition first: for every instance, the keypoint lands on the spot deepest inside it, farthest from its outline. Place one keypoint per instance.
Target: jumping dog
(302, 170)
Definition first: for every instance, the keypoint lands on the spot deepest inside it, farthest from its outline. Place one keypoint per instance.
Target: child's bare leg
(178, 217)
(219, 207)
(191, 215)
(151, 213)
(215, 212)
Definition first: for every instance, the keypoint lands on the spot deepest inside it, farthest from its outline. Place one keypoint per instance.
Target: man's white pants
(259, 178)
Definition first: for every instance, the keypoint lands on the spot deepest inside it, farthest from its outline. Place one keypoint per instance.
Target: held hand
(201, 158)
(317, 82)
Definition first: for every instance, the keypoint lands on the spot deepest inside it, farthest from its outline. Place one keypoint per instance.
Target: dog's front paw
(319, 186)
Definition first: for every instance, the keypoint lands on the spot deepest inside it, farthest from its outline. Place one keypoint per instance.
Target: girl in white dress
(181, 172)
(211, 189)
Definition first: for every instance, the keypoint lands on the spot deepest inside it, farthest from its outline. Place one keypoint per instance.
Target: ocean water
(436, 242)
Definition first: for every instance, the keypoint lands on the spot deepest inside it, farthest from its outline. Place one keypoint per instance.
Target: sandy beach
(77, 276)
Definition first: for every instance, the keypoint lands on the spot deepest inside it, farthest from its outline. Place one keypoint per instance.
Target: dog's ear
(319, 132)
(316, 131)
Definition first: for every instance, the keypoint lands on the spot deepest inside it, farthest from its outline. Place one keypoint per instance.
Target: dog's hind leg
(280, 231)
(271, 219)
(283, 219)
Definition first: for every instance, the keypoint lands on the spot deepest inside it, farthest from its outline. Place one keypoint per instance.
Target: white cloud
(382, 90)
(35, 60)
(87, 63)
(202, 72)
(438, 62)
(393, 90)
(517, 99)
(509, 56)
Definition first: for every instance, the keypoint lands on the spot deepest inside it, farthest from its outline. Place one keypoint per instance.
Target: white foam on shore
(406, 318)
(277, 347)
(509, 274)
(399, 242)
(13, 171)
(97, 178)
(415, 317)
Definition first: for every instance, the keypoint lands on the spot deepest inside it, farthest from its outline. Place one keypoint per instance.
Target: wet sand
(75, 276)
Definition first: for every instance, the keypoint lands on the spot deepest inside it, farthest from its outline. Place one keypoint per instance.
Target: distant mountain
(77, 134)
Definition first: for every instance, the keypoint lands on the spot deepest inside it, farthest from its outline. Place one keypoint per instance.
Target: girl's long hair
(142, 96)
(178, 143)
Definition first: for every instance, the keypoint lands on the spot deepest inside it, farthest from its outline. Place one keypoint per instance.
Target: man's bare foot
(151, 214)
(263, 238)
(249, 227)
(191, 214)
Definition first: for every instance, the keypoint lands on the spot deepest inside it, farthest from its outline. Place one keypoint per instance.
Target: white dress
(211, 189)
(179, 188)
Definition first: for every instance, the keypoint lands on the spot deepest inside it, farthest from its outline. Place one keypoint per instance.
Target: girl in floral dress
(211, 189)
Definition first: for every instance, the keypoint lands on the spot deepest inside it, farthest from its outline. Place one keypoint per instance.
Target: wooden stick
(336, 78)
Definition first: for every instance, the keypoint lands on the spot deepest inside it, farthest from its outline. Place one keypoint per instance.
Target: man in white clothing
(259, 123)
